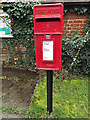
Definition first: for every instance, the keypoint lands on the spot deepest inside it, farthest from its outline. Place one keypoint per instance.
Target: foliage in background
(70, 98)
(71, 46)
(21, 15)
(76, 9)
(69, 50)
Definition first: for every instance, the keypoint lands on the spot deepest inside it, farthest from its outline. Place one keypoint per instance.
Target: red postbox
(48, 26)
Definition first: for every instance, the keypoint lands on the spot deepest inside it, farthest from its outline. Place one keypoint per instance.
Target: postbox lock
(47, 36)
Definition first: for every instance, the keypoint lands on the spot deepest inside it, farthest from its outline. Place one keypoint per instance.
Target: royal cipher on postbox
(48, 26)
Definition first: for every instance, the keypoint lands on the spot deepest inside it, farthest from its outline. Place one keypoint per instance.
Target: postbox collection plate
(48, 25)
(47, 50)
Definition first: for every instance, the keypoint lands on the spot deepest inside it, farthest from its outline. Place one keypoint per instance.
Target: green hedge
(69, 50)
(21, 15)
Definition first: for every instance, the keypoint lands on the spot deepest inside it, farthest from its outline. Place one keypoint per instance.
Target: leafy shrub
(70, 48)
(21, 15)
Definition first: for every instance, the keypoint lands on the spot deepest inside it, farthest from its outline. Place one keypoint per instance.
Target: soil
(17, 87)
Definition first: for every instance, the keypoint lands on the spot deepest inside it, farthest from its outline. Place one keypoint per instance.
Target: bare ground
(17, 88)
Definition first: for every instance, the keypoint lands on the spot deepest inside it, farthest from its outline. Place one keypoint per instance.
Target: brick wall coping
(56, 1)
(43, 1)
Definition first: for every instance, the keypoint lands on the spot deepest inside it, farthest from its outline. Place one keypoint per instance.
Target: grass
(70, 98)
(13, 110)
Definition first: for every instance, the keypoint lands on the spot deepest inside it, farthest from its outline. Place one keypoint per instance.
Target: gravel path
(8, 115)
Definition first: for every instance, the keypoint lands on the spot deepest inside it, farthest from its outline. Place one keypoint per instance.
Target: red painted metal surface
(48, 25)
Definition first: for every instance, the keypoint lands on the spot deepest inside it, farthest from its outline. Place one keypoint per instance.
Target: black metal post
(49, 90)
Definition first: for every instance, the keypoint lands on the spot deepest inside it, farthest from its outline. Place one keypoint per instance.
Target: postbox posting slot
(47, 19)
